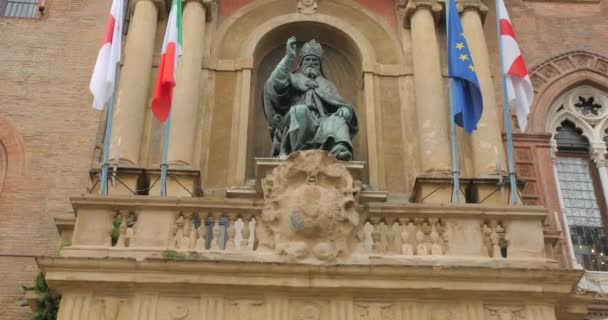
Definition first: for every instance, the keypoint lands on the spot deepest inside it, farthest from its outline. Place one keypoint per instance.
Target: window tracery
(578, 121)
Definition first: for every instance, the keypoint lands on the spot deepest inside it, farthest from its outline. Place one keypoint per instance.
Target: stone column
(134, 85)
(488, 137)
(431, 105)
(599, 158)
(184, 112)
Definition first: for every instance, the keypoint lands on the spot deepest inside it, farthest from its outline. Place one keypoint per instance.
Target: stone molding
(61, 272)
(550, 70)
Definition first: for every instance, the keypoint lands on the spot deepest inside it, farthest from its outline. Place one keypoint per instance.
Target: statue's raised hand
(291, 47)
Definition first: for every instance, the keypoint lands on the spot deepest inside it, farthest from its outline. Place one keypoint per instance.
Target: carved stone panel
(178, 308)
(311, 209)
(496, 312)
(308, 310)
(246, 309)
(375, 310)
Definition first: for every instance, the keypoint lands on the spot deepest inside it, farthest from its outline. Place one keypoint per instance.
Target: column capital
(159, 4)
(407, 8)
(478, 5)
(209, 6)
(598, 154)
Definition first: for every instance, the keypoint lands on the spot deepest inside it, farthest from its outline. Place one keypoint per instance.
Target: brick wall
(48, 129)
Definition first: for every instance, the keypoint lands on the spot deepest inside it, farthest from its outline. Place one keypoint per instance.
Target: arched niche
(361, 49)
(341, 65)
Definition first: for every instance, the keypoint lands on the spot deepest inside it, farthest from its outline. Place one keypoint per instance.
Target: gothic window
(578, 122)
(20, 8)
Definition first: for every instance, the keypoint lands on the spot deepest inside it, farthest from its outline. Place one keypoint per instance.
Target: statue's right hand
(291, 47)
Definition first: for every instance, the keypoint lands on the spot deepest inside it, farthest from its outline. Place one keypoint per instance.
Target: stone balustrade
(143, 227)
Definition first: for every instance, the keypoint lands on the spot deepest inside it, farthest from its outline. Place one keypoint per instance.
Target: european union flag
(467, 104)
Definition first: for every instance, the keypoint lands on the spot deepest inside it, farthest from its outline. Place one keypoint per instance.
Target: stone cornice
(64, 272)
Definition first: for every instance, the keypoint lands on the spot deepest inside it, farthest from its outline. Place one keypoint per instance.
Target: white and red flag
(519, 87)
(172, 50)
(104, 74)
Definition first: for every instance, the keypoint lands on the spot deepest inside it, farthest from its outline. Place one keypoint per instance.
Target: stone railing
(309, 208)
(198, 228)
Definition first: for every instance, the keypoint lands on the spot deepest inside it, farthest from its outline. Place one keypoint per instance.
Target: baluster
(184, 241)
(202, 232)
(487, 232)
(215, 242)
(406, 246)
(231, 231)
(421, 249)
(245, 233)
(122, 230)
(376, 235)
(392, 236)
(436, 243)
(178, 232)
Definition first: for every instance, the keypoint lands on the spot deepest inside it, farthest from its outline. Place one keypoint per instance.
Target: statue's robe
(302, 117)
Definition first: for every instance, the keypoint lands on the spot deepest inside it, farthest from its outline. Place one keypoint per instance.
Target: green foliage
(48, 302)
(116, 229)
(173, 255)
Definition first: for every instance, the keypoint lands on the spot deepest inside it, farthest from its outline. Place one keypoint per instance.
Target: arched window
(577, 137)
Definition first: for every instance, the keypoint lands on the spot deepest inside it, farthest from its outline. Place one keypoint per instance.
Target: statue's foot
(342, 153)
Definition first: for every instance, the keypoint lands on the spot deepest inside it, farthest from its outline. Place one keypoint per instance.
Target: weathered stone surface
(311, 208)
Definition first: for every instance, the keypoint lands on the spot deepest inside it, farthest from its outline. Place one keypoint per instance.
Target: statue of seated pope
(304, 109)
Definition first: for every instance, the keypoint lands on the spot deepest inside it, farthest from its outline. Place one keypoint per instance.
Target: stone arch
(592, 126)
(261, 17)
(370, 46)
(12, 154)
(560, 74)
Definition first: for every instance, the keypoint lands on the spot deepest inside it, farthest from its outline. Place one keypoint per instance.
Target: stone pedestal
(121, 181)
(180, 183)
(488, 191)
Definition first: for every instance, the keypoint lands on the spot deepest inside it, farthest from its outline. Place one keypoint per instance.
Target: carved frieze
(311, 208)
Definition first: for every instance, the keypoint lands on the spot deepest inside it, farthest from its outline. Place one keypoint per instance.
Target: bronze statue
(304, 109)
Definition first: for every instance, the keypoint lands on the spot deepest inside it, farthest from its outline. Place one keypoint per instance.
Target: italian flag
(172, 50)
(520, 92)
(104, 74)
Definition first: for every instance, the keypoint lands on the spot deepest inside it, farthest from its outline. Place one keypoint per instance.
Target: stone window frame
(36, 10)
(595, 129)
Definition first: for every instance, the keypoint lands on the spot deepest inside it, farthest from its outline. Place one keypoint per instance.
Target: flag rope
(455, 165)
(506, 115)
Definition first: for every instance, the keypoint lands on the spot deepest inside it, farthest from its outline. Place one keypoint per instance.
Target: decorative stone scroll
(311, 208)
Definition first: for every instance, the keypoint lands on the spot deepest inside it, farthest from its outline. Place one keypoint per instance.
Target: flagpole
(506, 114)
(109, 120)
(106, 144)
(455, 165)
(164, 165)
